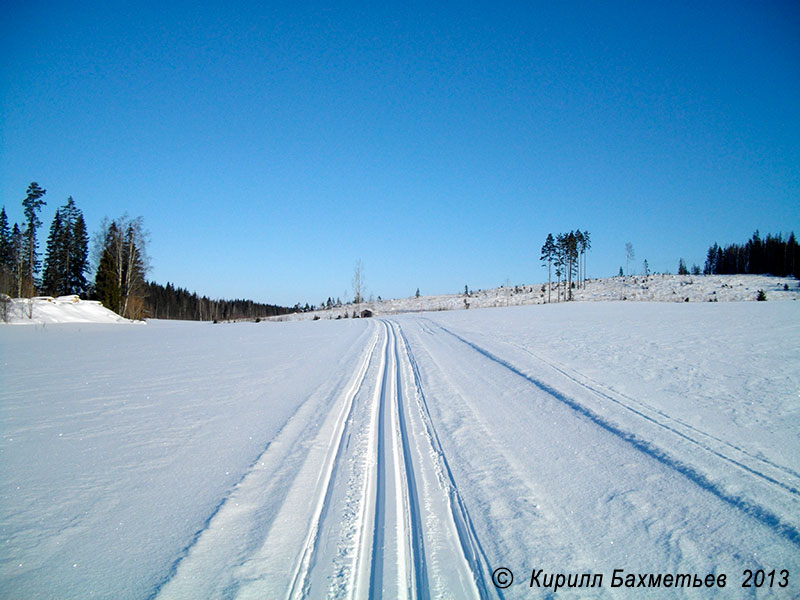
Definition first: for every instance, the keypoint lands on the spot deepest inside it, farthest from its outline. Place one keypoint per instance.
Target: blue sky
(268, 146)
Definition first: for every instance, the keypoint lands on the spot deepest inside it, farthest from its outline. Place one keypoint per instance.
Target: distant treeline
(772, 255)
(170, 302)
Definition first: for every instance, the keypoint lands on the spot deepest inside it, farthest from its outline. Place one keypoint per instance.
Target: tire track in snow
(761, 513)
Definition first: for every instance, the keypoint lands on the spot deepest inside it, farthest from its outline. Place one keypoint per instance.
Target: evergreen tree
(79, 258)
(548, 255)
(66, 260)
(17, 259)
(107, 287)
(6, 257)
(5, 239)
(417, 294)
(646, 268)
(771, 255)
(682, 270)
(585, 244)
(572, 260)
(54, 278)
(30, 266)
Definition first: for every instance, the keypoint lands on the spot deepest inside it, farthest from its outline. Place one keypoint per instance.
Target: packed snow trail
(371, 510)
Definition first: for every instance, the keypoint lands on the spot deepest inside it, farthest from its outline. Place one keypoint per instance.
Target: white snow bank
(64, 309)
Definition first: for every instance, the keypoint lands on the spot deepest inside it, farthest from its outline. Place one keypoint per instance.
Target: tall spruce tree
(17, 256)
(67, 253)
(79, 258)
(54, 278)
(6, 260)
(5, 238)
(106, 284)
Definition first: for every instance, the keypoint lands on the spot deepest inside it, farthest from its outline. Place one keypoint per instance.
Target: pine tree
(585, 244)
(548, 255)
(572, 260)
(682, 270)
(30, 266)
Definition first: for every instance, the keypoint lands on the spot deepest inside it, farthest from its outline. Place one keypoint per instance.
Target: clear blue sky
(268, 146)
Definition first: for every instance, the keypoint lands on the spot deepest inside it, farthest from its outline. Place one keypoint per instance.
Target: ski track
(680, 428)
(761, 513)
(370, 511)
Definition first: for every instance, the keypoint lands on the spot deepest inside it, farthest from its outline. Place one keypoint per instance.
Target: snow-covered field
(407, 456)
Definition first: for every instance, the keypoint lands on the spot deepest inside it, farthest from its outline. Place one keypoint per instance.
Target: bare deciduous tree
(122, 262)
(358, 283)
(629, 256)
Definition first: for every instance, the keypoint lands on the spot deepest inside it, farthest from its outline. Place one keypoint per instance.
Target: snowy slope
(407, 457)
(655, 288)
(64, 309)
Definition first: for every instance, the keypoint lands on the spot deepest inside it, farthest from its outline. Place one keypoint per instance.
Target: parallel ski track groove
(471, 547)
(376, 571)
(762, 514)
(417, 540)
(299, 586)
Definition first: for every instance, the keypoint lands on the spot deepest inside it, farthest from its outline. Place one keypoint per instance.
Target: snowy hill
(654, 288)
(46, 310)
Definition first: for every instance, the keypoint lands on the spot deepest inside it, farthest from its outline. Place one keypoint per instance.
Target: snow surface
(402, 457)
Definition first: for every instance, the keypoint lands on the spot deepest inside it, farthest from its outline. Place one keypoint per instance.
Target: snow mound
(64, 309)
